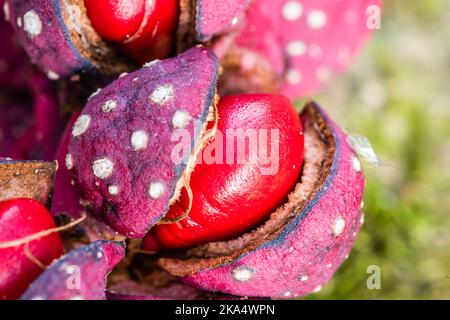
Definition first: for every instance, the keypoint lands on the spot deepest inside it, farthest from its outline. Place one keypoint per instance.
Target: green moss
(397, 94)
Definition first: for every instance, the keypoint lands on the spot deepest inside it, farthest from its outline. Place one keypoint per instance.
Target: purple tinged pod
(304, 241)
(79, 275)
(122, 147)
(214, 17)
(41, 29)
(293, 47)
(59, 38)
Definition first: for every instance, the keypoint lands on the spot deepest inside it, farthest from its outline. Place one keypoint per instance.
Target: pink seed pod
(123, 143)
(293, 47)
(30, 129)
(59, 37)
(215, 17)
(66, 199)
(48, 122)
(298, 249)
(79, 275)
(42, 31)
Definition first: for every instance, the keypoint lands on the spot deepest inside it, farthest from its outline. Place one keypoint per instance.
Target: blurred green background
(398, 95)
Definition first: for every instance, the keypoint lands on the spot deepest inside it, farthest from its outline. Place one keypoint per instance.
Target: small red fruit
(145, 29)
(230, 197)
(20, 218)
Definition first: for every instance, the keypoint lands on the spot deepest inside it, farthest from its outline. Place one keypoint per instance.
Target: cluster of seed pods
(116, 156)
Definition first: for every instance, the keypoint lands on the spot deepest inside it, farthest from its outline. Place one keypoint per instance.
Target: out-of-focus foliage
(398, 95)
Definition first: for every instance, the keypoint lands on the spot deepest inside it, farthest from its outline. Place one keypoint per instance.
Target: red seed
(228, 199)
(20, 218)
(115, 20)
(145, 29)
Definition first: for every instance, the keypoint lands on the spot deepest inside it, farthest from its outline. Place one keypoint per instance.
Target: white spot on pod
(52, 75)
(85, 203)
(356, 164)
(292, 10)
(150, 63)
(242, 273)
(113, 190)
(316, 19)
(135, 79)
(287, 294)
(99, 254)
(156, 190)
(19, 22)
(32, 23)
(95, 93)
(139, 140)
(109, 105)
(181, 119)
(38, 298)
(162, 94)
(81, 125)
(329, 265)
(303, 278)
(338, 226)
(362, 205)
(323, 74)
(102, 168)
(124, 74)
(361, 220)
(69, 161)
(234, 21)
(296, 48)
(346, 257)
(293, 76)
(317, 289)
(6, 11)
(77, 297)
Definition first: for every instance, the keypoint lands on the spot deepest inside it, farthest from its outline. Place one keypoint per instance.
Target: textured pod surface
(295, 45)
(319, 224)
(79, 275)
(123, 143)
(66, 199)
(42, 32)
(26, 179)
(214, 17)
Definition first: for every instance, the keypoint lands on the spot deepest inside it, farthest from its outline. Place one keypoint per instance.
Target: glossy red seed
(144, 28)
(228, 199)
(20, 218)
(156, 38)
(115, 20)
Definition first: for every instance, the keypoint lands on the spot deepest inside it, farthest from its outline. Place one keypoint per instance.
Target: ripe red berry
(233, 196)
(145, 29)
(20, 218)
(115, 20)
